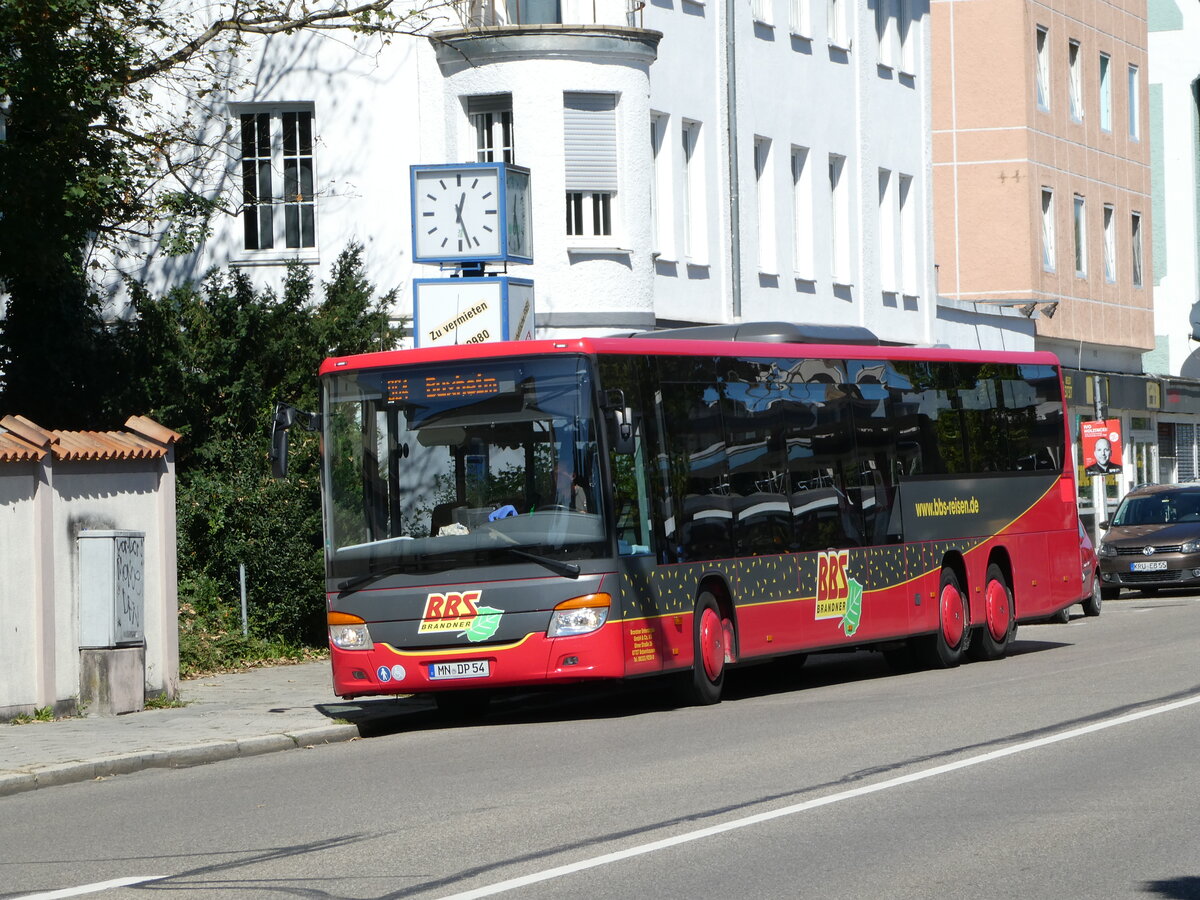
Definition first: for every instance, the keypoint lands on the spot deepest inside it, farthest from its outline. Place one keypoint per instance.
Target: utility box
(112, 567)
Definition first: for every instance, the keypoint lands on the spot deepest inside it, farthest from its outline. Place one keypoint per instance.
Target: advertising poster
(1101, 446)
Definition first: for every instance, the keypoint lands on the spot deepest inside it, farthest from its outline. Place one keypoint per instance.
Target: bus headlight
(347, 632)
(579, 615)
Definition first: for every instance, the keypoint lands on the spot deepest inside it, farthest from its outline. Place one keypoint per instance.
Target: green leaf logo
(485, 624)
(853, 609)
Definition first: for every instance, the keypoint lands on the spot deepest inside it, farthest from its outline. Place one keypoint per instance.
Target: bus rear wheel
(708, 658)
(944, 649)
(997, 629)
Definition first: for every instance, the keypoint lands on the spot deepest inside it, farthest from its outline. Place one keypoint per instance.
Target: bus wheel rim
(999, 614)
(953, 624)
(712, 644)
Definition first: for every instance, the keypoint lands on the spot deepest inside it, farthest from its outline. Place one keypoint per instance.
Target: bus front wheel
(944, 649)
(708, 645)
(996, 632)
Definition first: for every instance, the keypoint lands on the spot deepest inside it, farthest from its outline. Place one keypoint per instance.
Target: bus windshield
(447, 465)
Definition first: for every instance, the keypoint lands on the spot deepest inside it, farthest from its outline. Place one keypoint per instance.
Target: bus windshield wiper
(570, 570)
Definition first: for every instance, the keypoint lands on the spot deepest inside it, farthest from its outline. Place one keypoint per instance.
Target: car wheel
(1091, 606)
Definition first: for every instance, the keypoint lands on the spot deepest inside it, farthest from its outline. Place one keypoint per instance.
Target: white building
(691, 162)
(1174, 109)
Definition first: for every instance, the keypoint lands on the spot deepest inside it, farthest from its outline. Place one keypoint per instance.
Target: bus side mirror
(285, 417)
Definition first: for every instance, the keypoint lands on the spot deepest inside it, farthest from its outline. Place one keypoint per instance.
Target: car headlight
(1190, 547)
(579, 615)
(1106, 549)
(347, 632)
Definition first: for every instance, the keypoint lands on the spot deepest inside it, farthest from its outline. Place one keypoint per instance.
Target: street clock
(471, 212)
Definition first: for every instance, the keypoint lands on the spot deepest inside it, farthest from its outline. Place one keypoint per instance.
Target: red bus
(547, 512)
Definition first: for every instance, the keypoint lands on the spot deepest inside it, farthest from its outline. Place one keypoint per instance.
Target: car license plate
(1156, 566)
(472, 668)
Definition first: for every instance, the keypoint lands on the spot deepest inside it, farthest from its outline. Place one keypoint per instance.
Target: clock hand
(462, 201)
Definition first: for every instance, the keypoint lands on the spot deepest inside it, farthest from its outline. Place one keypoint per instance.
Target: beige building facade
(1042, 170)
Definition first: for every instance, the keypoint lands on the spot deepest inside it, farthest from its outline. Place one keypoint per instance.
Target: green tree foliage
(211, 362)
(97, 155)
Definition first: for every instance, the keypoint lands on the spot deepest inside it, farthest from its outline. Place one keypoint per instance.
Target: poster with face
(1101, 446)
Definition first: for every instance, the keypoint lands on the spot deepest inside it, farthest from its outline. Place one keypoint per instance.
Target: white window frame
(1110, 243)
(803, 257)
(764, 184)
(835, 24)
(904, 35)
(695, 230)
(1135, 249)
(591, 165)
(662, 224)
(762, 11)
(1079, 213)
(800, 23)
(1075, 80)
(889, 281)
(1049, 250)
(1042, 75)
(1134, 81)
(1105, 92)
(839, 221)
(909, 284)
(491, 118)
(286, 227)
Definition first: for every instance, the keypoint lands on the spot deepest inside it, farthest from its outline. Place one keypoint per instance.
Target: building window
(802, 214)
(1105, 93)
(764, 184)
(1135, 104)
(1080, 237)
(905, 32)
(1110, 244)
(1048, 229)
(839, 220)
(908, 237)
(1076, 81)
(492, 120)
(1043, 68)
(801, 18)
(277, 175)
(882, 35)
(590, 158)
(1135, 248)
(693, 193)
(660, 195)
(835, 23)
(761, 11)
(887, 233)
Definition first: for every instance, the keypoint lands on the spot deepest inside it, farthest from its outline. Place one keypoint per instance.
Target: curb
(33, 777)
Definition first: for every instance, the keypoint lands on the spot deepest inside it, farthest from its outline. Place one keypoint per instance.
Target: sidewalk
(242, 714)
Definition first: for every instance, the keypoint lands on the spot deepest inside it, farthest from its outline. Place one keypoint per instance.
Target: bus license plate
(1155, 566)
(472, 668)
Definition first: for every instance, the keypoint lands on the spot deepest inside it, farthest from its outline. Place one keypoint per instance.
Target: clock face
(457, 213)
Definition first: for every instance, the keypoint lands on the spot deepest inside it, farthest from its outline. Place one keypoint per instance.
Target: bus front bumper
(534, 660)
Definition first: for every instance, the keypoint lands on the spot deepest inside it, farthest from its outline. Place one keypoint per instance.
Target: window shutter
(590, 141)
(489, 103)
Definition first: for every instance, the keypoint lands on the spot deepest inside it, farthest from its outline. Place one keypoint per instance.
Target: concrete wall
(44, 505)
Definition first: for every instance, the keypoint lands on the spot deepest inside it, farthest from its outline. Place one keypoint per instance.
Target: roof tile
(21, 439)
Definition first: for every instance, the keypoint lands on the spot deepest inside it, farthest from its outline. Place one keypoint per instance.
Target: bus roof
(648, 344)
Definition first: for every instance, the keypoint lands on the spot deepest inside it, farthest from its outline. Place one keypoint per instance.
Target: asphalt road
(1069, 769)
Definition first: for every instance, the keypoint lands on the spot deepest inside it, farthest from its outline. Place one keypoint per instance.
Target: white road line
(641, 850)
(92, 888)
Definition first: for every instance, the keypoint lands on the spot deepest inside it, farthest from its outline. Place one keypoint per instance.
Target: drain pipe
(735, 200)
